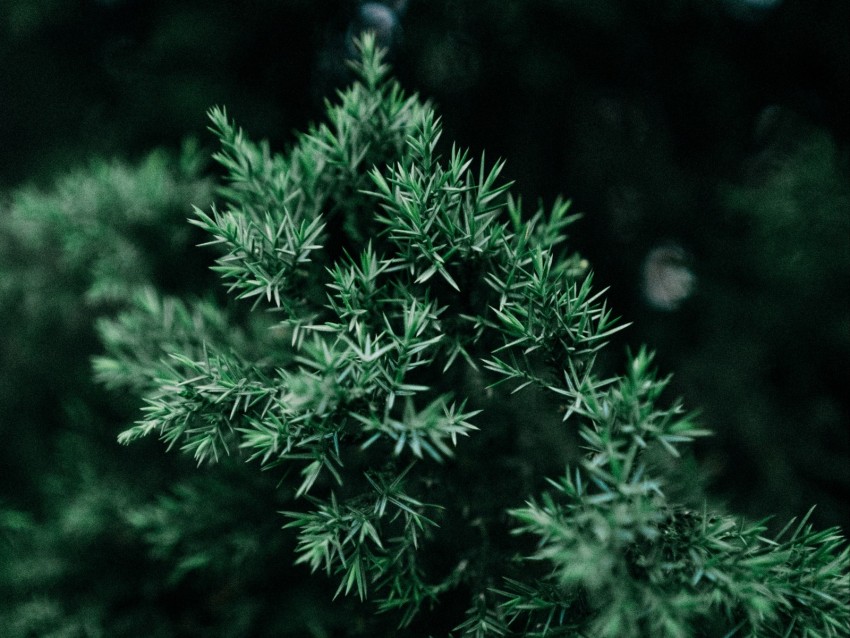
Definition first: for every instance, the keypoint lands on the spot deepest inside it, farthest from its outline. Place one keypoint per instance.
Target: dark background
(718, 127)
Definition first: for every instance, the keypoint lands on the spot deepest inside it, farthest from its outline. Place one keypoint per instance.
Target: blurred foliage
(773, 321)
(68, 254)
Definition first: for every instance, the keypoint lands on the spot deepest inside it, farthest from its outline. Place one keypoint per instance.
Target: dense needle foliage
(420, 357)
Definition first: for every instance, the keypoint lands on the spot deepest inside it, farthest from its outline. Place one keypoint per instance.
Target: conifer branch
(394, 264)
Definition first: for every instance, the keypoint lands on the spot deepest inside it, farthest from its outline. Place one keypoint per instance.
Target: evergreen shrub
(419, 370)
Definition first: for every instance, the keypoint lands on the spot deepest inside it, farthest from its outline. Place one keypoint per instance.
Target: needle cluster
(412, 328)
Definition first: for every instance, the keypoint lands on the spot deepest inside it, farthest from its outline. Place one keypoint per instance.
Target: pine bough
(410, 325)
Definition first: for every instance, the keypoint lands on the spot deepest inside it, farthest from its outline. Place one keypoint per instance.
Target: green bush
(420, 359)
(428, 356)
